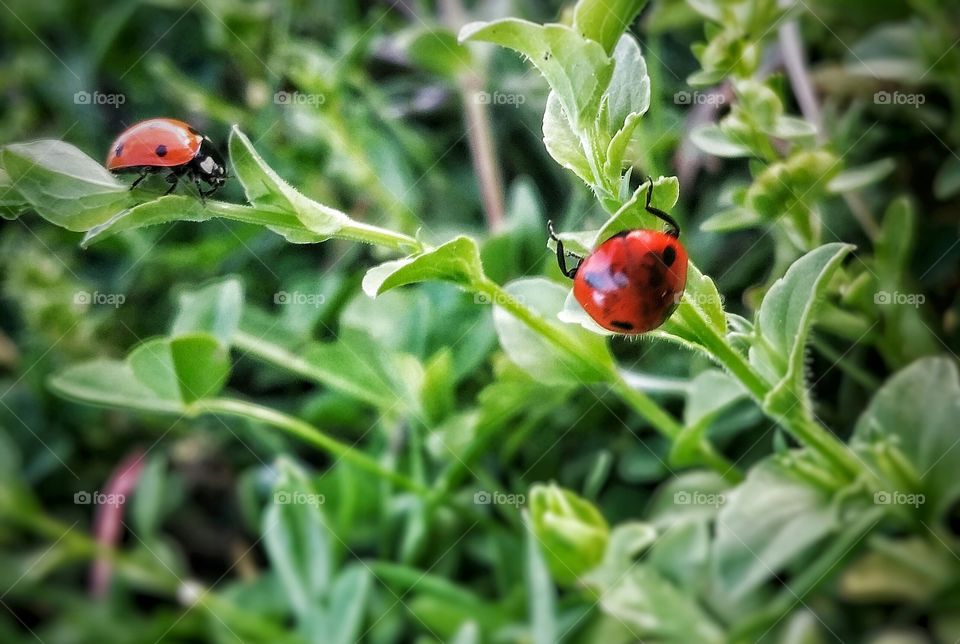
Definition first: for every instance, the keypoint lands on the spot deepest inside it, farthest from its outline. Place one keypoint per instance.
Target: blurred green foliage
(326, 466)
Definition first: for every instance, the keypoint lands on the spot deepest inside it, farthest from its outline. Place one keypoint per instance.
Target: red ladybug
(158, 145)
(632, 282)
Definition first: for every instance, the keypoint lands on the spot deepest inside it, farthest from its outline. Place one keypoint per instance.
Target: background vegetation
(230, 431)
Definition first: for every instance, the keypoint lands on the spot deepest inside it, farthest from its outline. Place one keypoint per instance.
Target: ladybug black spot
(626, 326)
(669, 255)
(117, 151)
(161, 150)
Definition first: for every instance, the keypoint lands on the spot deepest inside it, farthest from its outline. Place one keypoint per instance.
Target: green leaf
(296, 541)
(946, 183)
(111, 383)
(891, 51)
(12, 204)
(562, 142)
(916, 412)
(438, 51)
(629, 89)
(784, 322)
(733, 219)
(651, 607)
(766, 523)
(576, 68)
(64, 185)
(543, 359)
(604, 20)
(265, 189)
(572, 532)
(541, 594)
(162, 375)
(457, 261)
(347, 605)
(862, 176)
(215, 309)
(713, 140)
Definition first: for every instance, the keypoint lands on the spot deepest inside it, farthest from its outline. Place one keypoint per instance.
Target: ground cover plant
(351, 396)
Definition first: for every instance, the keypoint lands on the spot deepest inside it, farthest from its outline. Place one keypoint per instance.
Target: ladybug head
(209, 164)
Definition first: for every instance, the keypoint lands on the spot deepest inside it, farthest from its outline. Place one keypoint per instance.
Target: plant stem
(306, 432)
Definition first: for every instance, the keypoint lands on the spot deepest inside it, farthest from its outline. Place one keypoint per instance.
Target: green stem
(718, 347)
(306, 432)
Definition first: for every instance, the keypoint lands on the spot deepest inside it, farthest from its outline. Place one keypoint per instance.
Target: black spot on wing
(626, 326)
(669, 255)
(161, 150)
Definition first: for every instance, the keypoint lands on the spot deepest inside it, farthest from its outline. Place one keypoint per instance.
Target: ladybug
(158, 145)
(633, 281)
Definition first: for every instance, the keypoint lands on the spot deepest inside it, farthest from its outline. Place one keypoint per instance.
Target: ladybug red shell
(167, 145)
(633, 281)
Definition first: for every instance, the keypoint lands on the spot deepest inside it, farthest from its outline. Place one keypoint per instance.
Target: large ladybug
(168, 145)
(633, 281)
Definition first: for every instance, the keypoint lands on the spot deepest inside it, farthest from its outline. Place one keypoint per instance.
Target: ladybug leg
(172, 179)
(562, 255)
(656, 212)
(203, 195)
(143, 175)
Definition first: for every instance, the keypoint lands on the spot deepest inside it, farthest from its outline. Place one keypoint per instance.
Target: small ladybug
(158, 145)
(632, 282)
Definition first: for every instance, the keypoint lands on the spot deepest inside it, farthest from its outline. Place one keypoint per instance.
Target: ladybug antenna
(656, 212)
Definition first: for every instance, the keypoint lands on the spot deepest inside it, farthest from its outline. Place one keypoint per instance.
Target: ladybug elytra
(633, 281)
